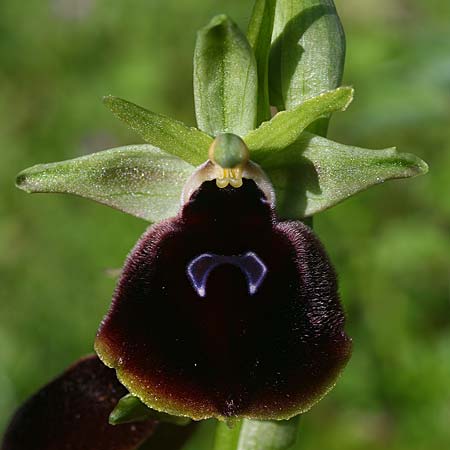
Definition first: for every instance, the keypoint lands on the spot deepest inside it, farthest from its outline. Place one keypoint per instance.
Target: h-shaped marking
(199, 269)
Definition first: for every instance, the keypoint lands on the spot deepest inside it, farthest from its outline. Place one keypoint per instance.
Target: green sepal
(259, 35)
(140, 180)
(225, 79)
(170, 135)
(315, 173)
(286, 127)
(308, 51)
(130, 409)
(257, 435)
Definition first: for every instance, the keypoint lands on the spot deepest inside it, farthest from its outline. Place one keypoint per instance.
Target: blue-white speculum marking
(200, 268)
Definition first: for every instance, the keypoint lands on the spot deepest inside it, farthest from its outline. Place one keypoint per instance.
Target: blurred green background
(390, 245)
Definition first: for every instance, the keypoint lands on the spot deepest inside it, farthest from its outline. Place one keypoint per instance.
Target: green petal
(308, 51)
(130, 409)
(188, 143)
(315, 173)
(140, 180)
(285, 128)
(225, 79)
(259, 35)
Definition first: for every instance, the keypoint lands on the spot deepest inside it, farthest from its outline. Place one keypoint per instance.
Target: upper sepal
(225, 79)
(72, 412)
(140, 180)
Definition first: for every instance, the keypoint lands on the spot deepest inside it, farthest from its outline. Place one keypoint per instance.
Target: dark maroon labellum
(223, 311)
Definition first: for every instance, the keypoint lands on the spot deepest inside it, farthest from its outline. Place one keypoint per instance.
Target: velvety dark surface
(71, 413)
(267, 355)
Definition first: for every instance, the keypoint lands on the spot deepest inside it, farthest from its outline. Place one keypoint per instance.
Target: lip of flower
(199, 328)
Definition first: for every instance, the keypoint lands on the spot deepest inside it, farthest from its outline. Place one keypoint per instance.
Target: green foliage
(331, 172)
(147, 183)
(308, 51)
(259, 35)
(225, 79)
(130, 409)
(139, 179)
(163, 132)
(284, 128)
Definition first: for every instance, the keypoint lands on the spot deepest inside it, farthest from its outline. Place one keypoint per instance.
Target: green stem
(227, 437)
(257, 435)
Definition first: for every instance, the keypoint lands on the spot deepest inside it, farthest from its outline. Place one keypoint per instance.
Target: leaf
(308, 51)
(257, 435)
(225, 79)
(284, 128)
(130, 409)
(259, 35)
(170, 135)
(315, 173)
(140, 180)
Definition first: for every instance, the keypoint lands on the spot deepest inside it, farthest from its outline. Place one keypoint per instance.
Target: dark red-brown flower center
(224, 311)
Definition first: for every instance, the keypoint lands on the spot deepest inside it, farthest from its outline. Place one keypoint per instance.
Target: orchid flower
(228, 306)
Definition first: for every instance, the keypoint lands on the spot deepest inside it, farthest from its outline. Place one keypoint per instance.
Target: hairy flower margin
(228, 305)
